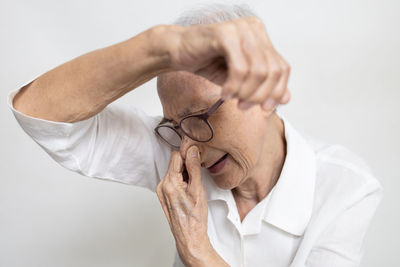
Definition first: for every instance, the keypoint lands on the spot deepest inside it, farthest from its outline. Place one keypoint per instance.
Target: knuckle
(259, 71)
(242, 94)
(277, 93)
(257, 99)
(160, 192)
(247, 45)
(275, 72)
(158, 189)
(259, 96)
(226, 29)
(240, 21)
(239, 71)
(286, 68)
(168, 189)
(256, 22)
(253, 20)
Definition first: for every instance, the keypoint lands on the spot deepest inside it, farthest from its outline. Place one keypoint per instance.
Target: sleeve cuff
(39, 128)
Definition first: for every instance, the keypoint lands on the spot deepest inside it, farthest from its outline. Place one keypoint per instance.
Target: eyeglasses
(197, 127)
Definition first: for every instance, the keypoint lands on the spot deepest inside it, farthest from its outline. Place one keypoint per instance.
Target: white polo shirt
(317, 214)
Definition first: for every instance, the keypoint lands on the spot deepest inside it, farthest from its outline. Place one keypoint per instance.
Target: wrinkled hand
(185, 206)
(237, 55)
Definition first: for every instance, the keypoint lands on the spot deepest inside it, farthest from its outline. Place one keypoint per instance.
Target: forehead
(182, 93)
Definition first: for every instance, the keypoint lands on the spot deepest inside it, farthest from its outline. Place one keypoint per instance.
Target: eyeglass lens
(169, 135)
(196, 128)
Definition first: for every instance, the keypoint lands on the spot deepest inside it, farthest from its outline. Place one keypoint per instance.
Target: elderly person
(238, 184)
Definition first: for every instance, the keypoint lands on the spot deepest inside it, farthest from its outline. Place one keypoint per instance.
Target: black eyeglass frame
(203, 116)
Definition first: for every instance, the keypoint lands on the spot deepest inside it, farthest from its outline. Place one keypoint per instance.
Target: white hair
(213, 13)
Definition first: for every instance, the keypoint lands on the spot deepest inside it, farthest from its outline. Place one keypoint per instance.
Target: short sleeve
(117, 144)
(341, 244)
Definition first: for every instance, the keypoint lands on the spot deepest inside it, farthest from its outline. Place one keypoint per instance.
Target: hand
(237, 55)
(185, 206)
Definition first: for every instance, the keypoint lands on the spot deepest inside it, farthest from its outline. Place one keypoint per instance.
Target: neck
(269, 166)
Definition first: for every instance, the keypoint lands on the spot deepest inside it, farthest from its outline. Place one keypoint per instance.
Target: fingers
(176, 196)
(194, 170)
(176, 163)
(271, 93)
(286, 97)
(236, 54)
(172, 185)
(257, 74)
(254, 54)
(169, 184)
(264, 91)
(236, 61)
(163, 200)
(280, 90)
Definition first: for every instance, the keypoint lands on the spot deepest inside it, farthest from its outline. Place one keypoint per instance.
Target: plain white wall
(345, 84)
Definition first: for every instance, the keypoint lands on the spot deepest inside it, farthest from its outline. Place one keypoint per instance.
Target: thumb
(194, 169)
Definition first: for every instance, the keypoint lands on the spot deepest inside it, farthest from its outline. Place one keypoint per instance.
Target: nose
(185, 144)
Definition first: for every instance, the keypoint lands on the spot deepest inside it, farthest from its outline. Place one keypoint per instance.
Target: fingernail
(269, 104)
(244, 105)
(194, 152)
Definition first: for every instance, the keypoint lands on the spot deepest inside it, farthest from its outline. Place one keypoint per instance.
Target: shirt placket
(242, 254)
(234, 217)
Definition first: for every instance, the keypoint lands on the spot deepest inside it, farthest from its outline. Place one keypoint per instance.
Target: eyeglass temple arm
(214, 107)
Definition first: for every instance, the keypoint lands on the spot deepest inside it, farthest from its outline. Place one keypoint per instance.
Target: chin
(225, 181)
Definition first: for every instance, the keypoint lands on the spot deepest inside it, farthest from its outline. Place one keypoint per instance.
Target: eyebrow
(186, 112)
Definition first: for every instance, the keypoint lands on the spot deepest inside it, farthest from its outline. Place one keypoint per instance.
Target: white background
(345, 83)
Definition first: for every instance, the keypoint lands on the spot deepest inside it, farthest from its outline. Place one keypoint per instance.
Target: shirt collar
(291, 200)
(291, 203)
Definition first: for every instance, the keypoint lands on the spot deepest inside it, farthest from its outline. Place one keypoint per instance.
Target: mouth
(219, 165)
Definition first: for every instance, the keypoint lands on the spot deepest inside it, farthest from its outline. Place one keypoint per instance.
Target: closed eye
(165, 119)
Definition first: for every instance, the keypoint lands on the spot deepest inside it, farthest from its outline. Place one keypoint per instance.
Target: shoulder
(122, 113)
(343, 178)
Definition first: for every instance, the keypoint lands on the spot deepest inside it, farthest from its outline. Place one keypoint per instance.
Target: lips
(218, 161)
(218, 165)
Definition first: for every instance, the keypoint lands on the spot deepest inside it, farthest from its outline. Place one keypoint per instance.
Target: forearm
(82, 87)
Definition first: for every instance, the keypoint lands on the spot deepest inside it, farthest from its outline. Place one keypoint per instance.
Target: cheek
(241, 136)
(247, 137)
(239, 133)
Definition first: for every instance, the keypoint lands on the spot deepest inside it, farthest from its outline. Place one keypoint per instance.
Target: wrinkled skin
(253, 139)
(237, 55)
(185, 205)
(235, 61)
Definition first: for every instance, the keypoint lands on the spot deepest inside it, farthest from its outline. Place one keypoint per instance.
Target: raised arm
(236, 54)
(82, 87)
